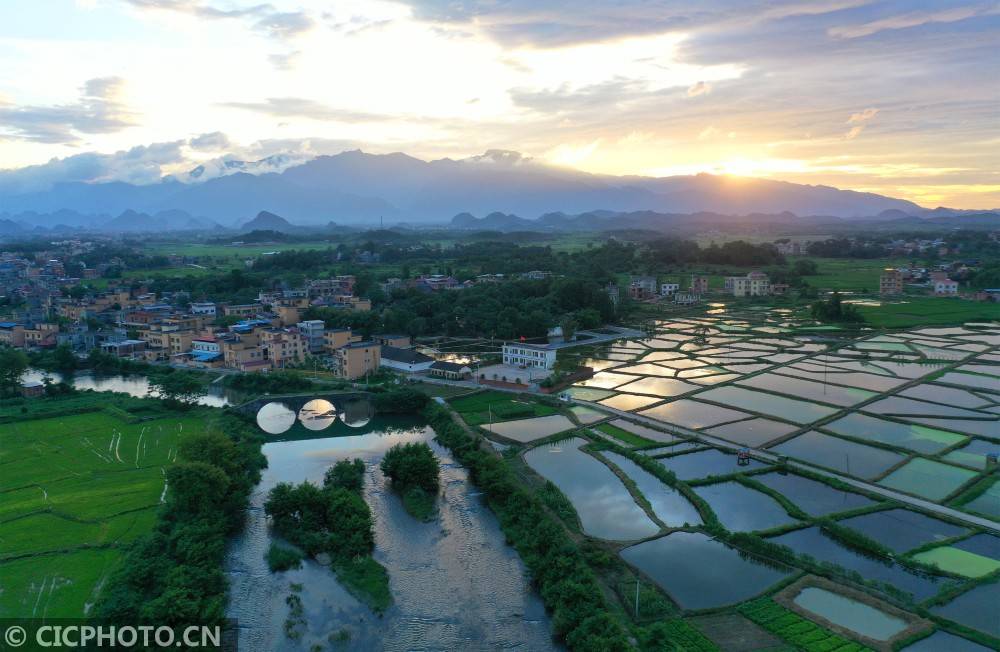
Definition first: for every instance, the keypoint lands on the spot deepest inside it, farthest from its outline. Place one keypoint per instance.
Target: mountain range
(355, 187)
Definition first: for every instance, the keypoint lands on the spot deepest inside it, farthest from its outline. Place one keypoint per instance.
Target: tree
(177, 388)
(805, 267)
(412, 465)
(13, 364)
(346, 474)
(64, 359)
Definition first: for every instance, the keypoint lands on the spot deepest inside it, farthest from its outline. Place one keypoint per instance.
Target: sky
(896, 97)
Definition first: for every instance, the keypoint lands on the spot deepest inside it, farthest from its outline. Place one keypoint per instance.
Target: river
(133, 384)
(455, 583)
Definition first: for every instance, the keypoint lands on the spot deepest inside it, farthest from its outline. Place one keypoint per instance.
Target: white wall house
(529, 355)
(203, 308)
(945, 286)
(668, 289)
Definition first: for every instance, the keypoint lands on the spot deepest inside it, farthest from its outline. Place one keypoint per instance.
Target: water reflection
(317, 414)
(455, 583)
(275, 418)
(357, 413)
(133, 385)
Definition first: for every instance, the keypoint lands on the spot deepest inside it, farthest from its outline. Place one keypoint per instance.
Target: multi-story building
(206, 308)
(283, 346)
(642, 287)
(754, 284)
(529, 355)
(890, 281)
(11, 334)
(699, 284)
(336, 338)
(41, 335)
(357, 359)
(945, 287)
(389, 339)
(242, 310)
(314, 331)
(668, 289)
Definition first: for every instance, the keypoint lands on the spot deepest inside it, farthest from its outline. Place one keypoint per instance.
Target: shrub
(412, 465)
(280, 558)
(346, 474)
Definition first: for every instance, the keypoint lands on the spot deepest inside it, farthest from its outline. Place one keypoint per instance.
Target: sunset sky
(900, 98)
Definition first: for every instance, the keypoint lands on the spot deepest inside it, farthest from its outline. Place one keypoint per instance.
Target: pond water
(921, 439)
(753, 432)
(813, 497)
(908, 406)
(973, 454)
(698, 572)
(605, 506)
(941, 641)
(976, 608)
(742, 509)
(856, 616)
(669, 505)
(630, 402)
(527, 430)
(454, 582)
(134, 385)
(987, 503)
(834, 375)
(693, 414)
(947, 395)
(927, 478)
(972, 381)
(969, 426)
(839, 454)
(701, 464)
(812, 541)
(786, 408)
(901, 529)
(809, 390)
(662, 387)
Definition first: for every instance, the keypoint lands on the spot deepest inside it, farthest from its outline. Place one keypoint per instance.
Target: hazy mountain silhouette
(357, 187)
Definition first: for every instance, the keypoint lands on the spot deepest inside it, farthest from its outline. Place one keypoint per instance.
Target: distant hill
(267, 221)
(356, 187)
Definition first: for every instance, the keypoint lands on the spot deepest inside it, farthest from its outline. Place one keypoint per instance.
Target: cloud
(99, 110)
(263, 18)
(140, 164)
(912, 19)
(298, 107)
(284, 60)
(211, 142)
(285, 25)
(701, 88)
(863, 116)
(860, 120)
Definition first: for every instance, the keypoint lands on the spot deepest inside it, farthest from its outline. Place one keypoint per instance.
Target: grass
(624, 436)
(280, 558)
(476, 409)
(75, 489)
(419, 504)
(926, 310)
(793, 628)
(367, 580)
(958, 562)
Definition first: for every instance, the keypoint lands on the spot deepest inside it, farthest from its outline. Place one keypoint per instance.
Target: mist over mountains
(354, 187)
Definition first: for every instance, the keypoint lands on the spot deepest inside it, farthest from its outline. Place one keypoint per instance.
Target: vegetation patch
(282, 558)
(795, 629)
(414, 471)
(624, 436)
(477, 409)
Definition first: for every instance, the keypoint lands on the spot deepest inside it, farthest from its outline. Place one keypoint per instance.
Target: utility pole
(637, 598)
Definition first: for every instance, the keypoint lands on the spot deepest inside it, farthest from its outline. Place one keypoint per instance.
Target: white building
(203, 308)
(406, 360)
(205, 345)
(312, 331)
(529, 355)
(754, 284)
(668, 289)
(945, 286)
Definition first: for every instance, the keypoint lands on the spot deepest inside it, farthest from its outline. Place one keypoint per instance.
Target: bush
(280, 558)
(346, 474)
(412, 465)
(404, 400)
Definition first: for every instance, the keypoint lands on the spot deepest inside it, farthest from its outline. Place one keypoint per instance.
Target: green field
(476, 409)
(624, 436)
(926, 310)
(75, 489)
(958, 562)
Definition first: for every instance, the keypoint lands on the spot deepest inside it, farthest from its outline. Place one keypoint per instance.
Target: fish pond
(858, 617)
(698, 572)
(605, 507)
(669, 505)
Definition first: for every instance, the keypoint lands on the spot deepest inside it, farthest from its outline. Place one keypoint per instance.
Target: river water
(455, 583)
(135, 385)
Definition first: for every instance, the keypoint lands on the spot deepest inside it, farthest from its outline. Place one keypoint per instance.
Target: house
(945, 287)
(699, 284)
(529, 355)
(450, 370)
(124, 348)
(11, 334)
(668, 289)
(397, 341)
(32, 389)
(406, 360)
(754, 284)
(336, 338)
(206, 308)
(890, 282)
(314, 332)
(357, 359)
(503, 375)
(642, 287)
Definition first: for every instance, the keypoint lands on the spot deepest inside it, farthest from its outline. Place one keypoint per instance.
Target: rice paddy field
(850, 441)
(73, 491)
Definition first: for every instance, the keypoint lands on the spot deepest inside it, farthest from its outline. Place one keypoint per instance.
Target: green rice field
(75, 490)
